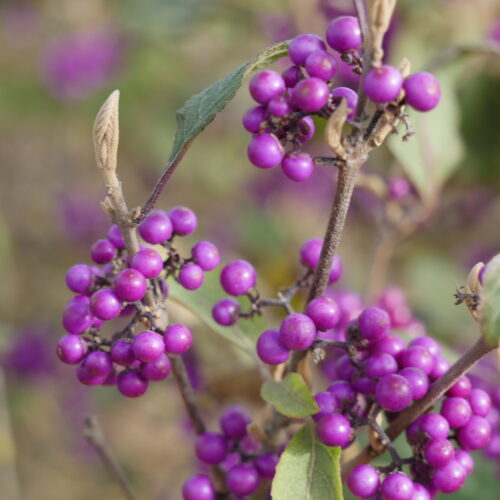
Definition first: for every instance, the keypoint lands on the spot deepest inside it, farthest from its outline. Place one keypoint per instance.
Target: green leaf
(431, 156)
(201, 109)
(490, 302)
(291, 397)
(308, 469)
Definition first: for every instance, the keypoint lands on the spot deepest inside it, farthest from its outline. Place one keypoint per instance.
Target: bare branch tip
(106, 133)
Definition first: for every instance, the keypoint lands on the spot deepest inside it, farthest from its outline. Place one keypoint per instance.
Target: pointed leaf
(489, 312)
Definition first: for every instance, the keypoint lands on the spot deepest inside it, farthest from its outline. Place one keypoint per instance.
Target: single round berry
(475, 434)
(420, 492)
(310, 94)
(449, 478)
(380, 365)
(191, 276)
(130, 285)
(105, 304)
(297, 332)
(238, 277)
(343, 391)
(302, 46)
(292, 76)
(310, 253)
(279, 106)
(86, 378)
(242, 479)
(184, 220)
(398, 187)
(441, 366)
(79, 278)
(178, 339)
(270, 349)
(211, 448)
(434, 426)
(115, 236)
(148, 346)
(480, 402)
(349, 95)
(321, 65)
(131, 384)
(226, 312)
(102, 251)
(417, 357)
(148, 262)
(156, 370)
(397, 486)
(297, 166)
(374, 324)
(206, 255)
(344, 33)
(265, 151)
(363, 481)
(156, 228)
(98, 364)
(465, 459)
(198, 487)
(422, 91)
(234, 421)
(438, 452)
(266, 85)
(327, 403)
(428, 342)
(392, 344)
(383, 84)
(266, 464)
(306, 129)
(324, 311)
(393, 393)
(418, 381)
(71, 349)
(457, 411)
(122, 353)
(77, 317)
(461, 388)
(334, 430)
(253, 119)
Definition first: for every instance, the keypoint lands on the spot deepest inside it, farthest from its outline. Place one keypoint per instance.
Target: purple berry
(211, 448)
(98, 364)
(397, 486)
(349, 95)
(438, 452)
(292, 76)
(465, 459)
(380, 365)
(420, 492)
(130, 285)
(335, 270)
(297, 166)
(191, 276)
(310, 253)
(178, 339)
(399, 188)
(184, 220)
(242, 479)
(363, 481)
(302, 46)
(344, 33)
(253, 119)
(457, 411)
(156, 370)
(198, 487)
(434, 426)
(265, 151)
(383, 84)
(156, 228)
(279, 106)
(428, 342)
(475, 434)
(115, 236)
(393, 393)
(310, 94)
(334, 430)
(422, 91)
(148, 262)
(441, 366)
(270, 349)
(461, 388)
(148, 346)
(266, 464)
(418, 381)
(480, 402)
(86, 378)
(79, 278)
(77, 317)
(321, 65)
(417, 357)
(449, 478)
(122, 353)
(206, 255)
(71, 349)
(131, 384)
(392, 344)
(297, 332)
(266, 85)
(306, 129)
(324, 311)
(226, 312)
(374, 324)
(328, 404)
(238, 277)
(102, 251)
(343, 391)
(234, 421)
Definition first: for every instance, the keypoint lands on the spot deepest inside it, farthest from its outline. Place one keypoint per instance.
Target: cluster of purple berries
(236, 452)
(116, 287)
(282, 121)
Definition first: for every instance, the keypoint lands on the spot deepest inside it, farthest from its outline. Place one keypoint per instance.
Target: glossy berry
(321, 65)
(438, 452)
(233, 422)
(349, 95)
(211, 448)
(380, 365)
(184, 220)
(198, 487)
(79, 278)
(461, 388)
(475, 434)
(206, 255)
(242, 479)
(292, 76)
(266, 464)
(449, 478)
(115, 236)
(420, 492)
(343, 391)
(98, 364)
(417, 357)
(434, 425)
(131, 384)
(480, 402)
(344, 33)
(178, 339)
(324, 311)
(253, 119)
(71, 349)
(363, 481)
(279, 106)
(86, 378)
(148, 262)
(441, 366)
(238, 277)
(334, 430)
(297, 332)
(465, 459)
(77, 317)
(266, 85)
(383, 84)
(156, 370)
(374, 324)
(130, 285)
(392, 344)
(156, 228)
(226, 312)
(265, 151)
(457, 411)
(102, 251)
(310, 94)
(422, 91)
(327, 403)
(297, 166)
(310, 252)
(148, 346)
(302, 46)
(122, 353)
(397, 486)
(393, 393)
(418, 381)
(270, 349)
(191, 276)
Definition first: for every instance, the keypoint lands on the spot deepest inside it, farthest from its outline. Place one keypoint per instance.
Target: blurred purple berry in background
(494, 32)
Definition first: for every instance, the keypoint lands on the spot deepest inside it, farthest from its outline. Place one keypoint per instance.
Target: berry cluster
(282, 121)
(117, 287)
(237, 453)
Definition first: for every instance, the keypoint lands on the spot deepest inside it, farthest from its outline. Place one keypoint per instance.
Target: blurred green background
(59, 60)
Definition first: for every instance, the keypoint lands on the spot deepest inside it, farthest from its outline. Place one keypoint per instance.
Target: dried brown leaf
(333, 129)
(106, 133)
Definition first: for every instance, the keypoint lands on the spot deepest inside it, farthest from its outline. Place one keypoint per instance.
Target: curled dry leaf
(380, 14)
(374, 437)
(106, 133)
(333, 130)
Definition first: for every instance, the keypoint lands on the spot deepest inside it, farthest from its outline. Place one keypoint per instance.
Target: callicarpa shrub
(373, 377)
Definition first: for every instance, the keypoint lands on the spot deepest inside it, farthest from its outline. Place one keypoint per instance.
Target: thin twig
(94, 435)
